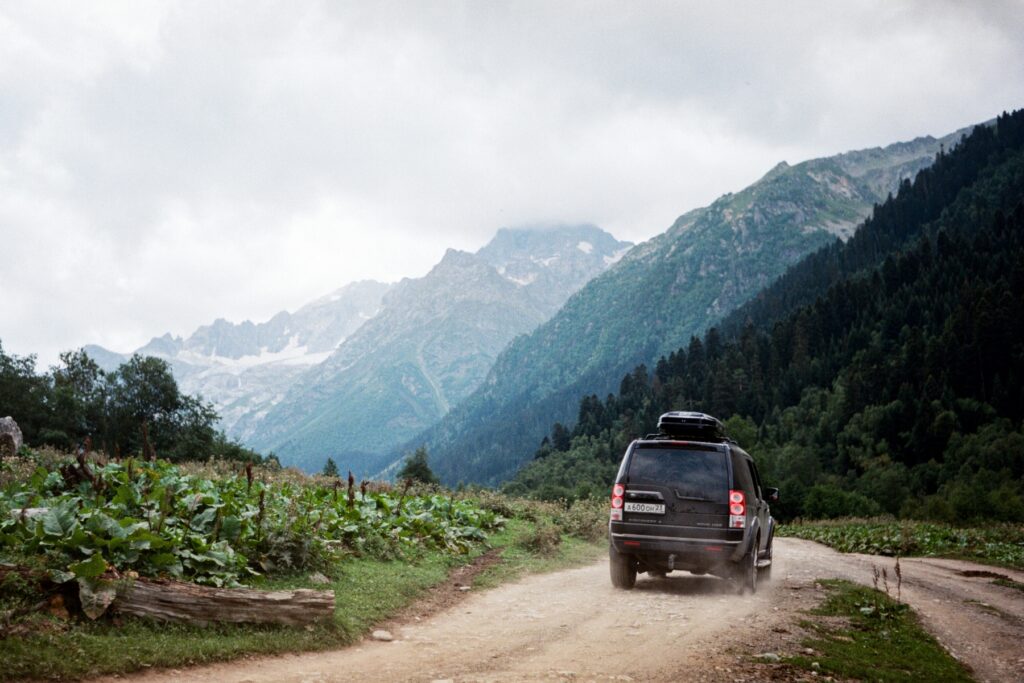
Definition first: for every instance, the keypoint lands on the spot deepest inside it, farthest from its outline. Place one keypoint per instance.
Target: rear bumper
(689, 547)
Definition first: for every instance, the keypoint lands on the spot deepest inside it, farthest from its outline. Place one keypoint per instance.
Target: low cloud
(165, 164)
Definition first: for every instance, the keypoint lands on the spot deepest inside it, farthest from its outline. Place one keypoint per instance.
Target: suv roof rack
(658, 436)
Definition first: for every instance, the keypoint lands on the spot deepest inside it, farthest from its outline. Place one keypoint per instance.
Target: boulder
(10, 437)
(317, 577)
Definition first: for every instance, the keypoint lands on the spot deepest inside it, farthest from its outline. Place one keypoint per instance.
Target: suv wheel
(623, 569)
(748, 570)
(765, 573)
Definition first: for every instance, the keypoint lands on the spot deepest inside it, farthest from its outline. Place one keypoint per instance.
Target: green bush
(586, 519)
(543, 539)
(827, 501)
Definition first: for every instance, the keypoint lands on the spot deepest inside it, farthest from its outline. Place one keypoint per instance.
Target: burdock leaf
(96, 596)
(91, 568)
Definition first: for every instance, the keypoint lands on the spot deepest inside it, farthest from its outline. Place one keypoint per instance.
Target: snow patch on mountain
(292, 354)
(245, 369)
(617, 256)
(528, 280)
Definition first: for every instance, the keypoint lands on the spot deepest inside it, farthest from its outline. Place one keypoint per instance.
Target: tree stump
(10, 437)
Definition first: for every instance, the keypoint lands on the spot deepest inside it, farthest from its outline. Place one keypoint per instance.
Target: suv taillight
(737, 509)
(618, 491)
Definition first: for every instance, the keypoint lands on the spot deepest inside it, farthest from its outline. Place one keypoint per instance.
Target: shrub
(586, 519)
(827, 501)
(543, 539)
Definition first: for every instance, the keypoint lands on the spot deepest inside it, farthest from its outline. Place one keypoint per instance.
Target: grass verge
(1000, 545)
(530, 548)
(865, 635)
(367, 592)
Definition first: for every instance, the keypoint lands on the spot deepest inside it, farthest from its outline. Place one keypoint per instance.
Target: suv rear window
(701, 474)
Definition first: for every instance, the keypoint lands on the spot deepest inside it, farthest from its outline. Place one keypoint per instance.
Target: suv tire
(623, 569)
(748, 570)
(765, 573)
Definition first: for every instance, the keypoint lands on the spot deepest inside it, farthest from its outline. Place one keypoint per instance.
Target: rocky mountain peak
(777, 170)
(164, 346)
(432, 344)
(552, 261)
(244, 368)
(538, 243)
(455, 259)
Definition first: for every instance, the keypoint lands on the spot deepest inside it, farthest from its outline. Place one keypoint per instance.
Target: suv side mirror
(771, 495)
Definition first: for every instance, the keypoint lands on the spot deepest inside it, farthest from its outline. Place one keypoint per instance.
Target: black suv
(690, 498)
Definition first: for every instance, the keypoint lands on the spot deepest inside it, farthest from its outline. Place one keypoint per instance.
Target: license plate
(646, 508)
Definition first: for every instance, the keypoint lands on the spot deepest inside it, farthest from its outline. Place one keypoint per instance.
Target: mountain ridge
(663, 291)
(243, 368)
(432, 343)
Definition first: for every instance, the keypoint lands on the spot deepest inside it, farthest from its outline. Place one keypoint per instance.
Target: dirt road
(572, 625)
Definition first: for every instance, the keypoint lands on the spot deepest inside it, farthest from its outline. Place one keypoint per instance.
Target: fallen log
(167, 600)
(203, 605)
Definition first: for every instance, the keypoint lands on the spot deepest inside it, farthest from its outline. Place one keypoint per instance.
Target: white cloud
(165, 164)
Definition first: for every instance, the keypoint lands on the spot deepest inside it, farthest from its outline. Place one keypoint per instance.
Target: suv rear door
(690, 480)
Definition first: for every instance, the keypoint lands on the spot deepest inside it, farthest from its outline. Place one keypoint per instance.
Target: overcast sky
(165, 164)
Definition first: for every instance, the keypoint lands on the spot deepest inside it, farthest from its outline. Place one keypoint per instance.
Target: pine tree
(417, 468)
(330, 468)
(560, 435)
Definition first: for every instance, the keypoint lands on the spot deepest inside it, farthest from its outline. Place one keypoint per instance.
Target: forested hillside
(710, 261)
(890, 379)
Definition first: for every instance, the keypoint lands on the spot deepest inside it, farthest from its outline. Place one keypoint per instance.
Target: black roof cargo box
(692, 425)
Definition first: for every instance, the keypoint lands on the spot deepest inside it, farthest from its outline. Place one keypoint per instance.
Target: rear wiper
(700, 498)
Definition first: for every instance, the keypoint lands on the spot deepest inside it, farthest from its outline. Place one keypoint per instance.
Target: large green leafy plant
(155, 520)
